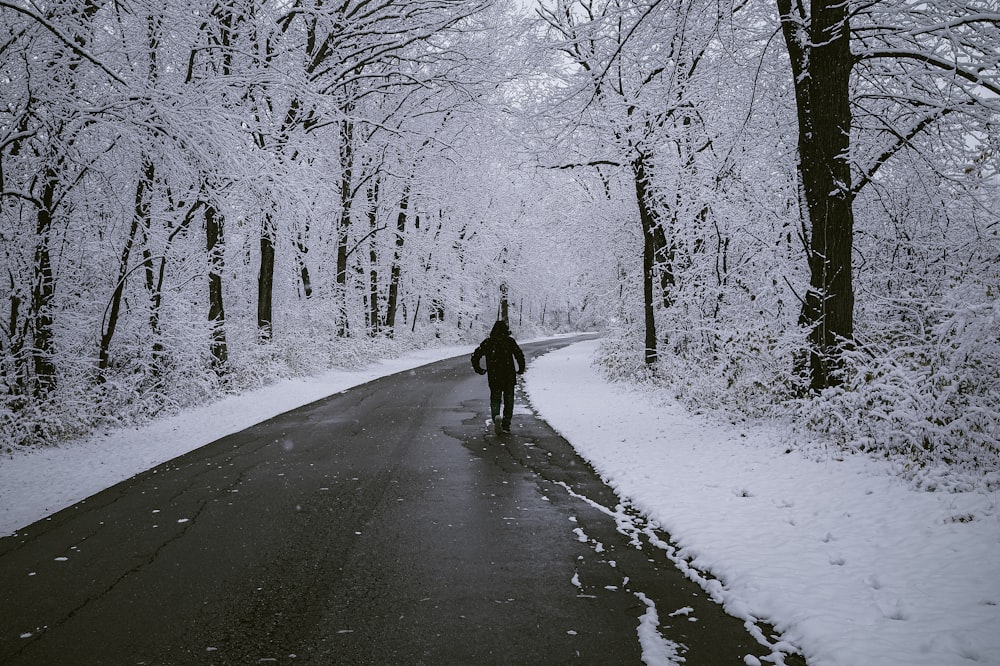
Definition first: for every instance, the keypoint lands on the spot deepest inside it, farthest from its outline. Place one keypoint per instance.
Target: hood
(500, 330)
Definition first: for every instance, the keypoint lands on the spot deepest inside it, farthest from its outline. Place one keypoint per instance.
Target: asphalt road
(383, 525)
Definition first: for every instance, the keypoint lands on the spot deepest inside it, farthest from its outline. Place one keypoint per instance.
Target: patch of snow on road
(656, 650)
(845, 560)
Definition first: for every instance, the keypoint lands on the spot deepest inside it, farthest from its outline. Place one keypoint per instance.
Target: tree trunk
(300, 258)
(265, 282)
(395, 270)
(663, 257)
(140, 219)
(302, 236)
(155, 289)
(373, 313)
(265, 279)
(344, 228)
(648, 221)
(437, 310)
(819, 50)
(214, 233)
(42, 292)
(504, 314)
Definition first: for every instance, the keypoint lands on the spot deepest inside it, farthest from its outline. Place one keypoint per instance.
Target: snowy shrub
(742, 371)
(928, 394)
(746, 372)
(619, 356)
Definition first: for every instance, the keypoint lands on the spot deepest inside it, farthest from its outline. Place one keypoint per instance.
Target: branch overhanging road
(382, 525)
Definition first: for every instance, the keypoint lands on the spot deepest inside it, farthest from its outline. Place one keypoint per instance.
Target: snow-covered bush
(928, 393)
(735, 361)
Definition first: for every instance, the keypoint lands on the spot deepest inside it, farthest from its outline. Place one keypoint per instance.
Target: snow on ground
(841, 556)
(36, 483)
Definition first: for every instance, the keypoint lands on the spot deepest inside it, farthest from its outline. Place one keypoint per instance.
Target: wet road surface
(383, 525)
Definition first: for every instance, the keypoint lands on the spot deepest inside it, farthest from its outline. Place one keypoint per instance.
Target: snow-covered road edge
(843, 558)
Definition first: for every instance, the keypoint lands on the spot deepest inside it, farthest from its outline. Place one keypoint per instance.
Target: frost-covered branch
(936, 62)
(66, 41)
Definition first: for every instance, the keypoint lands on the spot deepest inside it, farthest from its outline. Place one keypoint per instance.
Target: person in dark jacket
(501, 352)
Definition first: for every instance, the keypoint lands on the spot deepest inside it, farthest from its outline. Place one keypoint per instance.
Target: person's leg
(496, 393)
(508, 405)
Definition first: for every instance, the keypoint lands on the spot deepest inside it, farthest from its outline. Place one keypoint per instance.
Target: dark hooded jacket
(501, 352)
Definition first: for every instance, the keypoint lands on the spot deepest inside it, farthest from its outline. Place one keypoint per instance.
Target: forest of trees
(772, 208)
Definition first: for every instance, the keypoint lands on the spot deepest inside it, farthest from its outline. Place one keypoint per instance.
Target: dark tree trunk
(437, 310)
(374, 324)
(154, 286)
(344, 228)
(819, 50)
(292, 118)
(214, 233)
(663, 257)
(300, 257)
(504, 314)
(373, 313)
(395, 270)
(140, 220)
(108, 332)
(649, 226)
(265, 279)
(265, 283)
(42, 292)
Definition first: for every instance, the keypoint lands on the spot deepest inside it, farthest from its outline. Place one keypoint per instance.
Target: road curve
(382, 525)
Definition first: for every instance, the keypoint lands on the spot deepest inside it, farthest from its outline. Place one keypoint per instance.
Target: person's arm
(477, 356)
(519, 357)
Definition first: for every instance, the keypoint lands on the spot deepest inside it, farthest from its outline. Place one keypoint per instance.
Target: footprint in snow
(894, 611)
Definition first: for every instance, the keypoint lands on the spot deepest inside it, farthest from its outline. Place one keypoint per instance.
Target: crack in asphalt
(174, 536)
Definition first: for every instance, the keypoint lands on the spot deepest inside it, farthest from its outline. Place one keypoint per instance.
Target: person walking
(501, 352)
